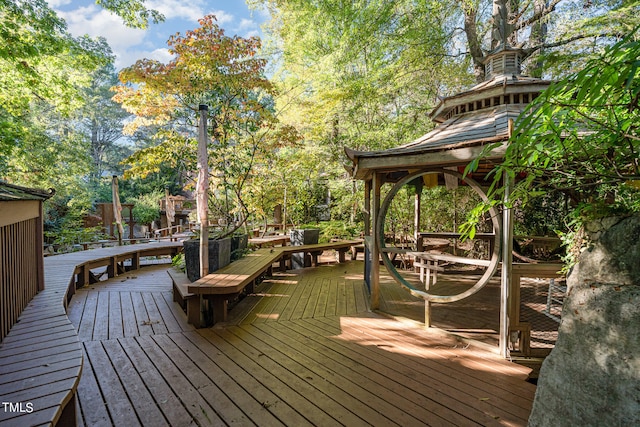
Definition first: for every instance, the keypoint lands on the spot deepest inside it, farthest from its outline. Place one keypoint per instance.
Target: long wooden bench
(41, 356)
(114, 259)
(189, 301)
(219, 287)
(313, 251)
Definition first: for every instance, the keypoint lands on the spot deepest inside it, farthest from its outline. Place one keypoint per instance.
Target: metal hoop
(495, 256)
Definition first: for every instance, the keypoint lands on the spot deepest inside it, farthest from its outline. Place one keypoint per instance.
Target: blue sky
(129, 45)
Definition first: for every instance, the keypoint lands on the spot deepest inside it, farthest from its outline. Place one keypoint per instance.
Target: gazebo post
(507, 260)
(375, 251)
(416, 215)
(367, 208)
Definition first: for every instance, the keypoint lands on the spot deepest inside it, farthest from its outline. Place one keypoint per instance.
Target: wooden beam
(375, 253)
(507, 261)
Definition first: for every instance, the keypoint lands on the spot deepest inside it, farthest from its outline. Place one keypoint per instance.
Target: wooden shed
(467, 123)
(21, 250)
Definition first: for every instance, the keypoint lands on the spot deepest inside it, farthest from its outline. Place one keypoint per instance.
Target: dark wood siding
(19, 261)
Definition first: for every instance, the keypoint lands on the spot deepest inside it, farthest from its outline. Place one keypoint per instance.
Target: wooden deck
(304, 349)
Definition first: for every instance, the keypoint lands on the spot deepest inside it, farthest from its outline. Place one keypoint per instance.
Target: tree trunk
(537, 38)
(471, 30)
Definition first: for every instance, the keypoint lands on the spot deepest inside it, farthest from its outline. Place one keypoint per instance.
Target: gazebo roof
(467, 122)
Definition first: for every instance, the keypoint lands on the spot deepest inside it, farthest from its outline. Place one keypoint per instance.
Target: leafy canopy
(581, 138)
(224, 73)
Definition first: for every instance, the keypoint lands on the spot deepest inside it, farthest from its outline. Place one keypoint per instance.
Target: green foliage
(580, 138)
(334, 230)
(147, 207)
(134, 13)
(362, 74)
(179, 263)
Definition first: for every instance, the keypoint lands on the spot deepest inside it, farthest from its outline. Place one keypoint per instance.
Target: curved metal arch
(495, 256)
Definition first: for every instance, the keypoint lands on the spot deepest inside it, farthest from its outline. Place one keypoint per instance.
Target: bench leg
(194, 309)
(135, 261)
(250, 288)
(435, 272)
(219, 306)
(112, 268)
(341, 255)
(68, 415)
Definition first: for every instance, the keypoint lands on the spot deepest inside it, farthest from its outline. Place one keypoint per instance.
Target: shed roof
(12, 192)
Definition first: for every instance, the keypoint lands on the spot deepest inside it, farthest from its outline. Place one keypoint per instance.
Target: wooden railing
(20, 279)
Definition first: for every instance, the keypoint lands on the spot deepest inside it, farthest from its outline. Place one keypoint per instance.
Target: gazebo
(467, 123)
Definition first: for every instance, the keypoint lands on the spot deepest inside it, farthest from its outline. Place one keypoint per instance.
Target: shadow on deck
(303, 350)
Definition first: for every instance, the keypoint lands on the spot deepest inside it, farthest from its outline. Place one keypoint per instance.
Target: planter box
(238, 245)
(219, 256)
(301, 237)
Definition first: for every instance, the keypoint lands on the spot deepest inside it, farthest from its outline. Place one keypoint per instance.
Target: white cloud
(247, 24)
(222, 17)
(129, 44)
(94, 21)
(54, 4)
(178, 9)
(129, 57)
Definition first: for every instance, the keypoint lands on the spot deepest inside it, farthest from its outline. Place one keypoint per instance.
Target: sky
(129, 45)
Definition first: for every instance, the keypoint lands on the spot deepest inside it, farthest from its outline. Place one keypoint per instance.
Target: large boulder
(592, 376)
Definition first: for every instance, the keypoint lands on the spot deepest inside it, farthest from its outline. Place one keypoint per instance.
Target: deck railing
(19, 275)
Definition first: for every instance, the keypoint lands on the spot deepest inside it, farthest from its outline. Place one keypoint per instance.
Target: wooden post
(507, 261)
(202, 190)
(375, 250)
(117, 208)
(367, 208)
(416, 215)
(169, 213)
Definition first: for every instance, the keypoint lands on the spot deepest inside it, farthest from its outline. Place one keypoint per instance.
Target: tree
(222, 72)
(580, 138)
(102, 119)
(361, 73)
(551, 33)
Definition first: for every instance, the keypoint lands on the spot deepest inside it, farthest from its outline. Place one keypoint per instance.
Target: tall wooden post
(202, 190)
(507, 261)
(416, 214)
(375, 250)
(117, 207)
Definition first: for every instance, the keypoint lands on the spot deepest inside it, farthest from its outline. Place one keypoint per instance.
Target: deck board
(304, 349)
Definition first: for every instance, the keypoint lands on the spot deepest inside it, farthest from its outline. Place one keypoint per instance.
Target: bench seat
(41, 356)
(40, 364)
(225, 284)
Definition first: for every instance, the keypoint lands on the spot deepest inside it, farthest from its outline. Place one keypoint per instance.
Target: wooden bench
(41, 360)
(41, 356)
(219, 287)
(189, 301)
(115, 261)
(313, 251)
(267, 241)
(430, 264)
(355, 249)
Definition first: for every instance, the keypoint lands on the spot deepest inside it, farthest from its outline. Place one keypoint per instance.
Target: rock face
(592, 376)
